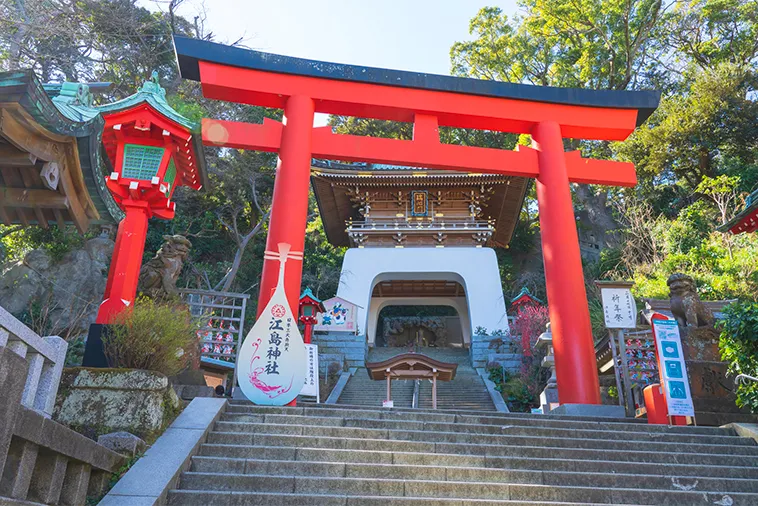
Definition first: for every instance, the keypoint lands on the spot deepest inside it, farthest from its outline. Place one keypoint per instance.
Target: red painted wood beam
(422, 152)
(350, 98)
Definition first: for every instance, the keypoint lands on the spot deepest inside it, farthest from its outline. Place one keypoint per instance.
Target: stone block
(12, 381)
(123, 443)
(75, 484)
(189, 392)
(97, 401)
(48, 479)
(158, 470)
(51, 375)
(598, 410)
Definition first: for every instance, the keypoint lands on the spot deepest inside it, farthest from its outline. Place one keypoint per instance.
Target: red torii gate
(303, 87)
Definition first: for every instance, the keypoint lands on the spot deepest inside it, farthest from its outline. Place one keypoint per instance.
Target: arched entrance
(422, 325)
(466, 279)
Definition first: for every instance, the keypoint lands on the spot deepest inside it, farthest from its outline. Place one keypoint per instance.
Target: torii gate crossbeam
(304, 87)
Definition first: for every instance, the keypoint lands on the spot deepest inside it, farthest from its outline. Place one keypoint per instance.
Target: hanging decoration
(271, 365)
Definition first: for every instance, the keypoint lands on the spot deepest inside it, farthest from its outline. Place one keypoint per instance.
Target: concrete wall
(475, 269)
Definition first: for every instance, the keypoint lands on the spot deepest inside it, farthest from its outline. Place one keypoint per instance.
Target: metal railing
(744, 378)
(224, 331)
(409, 227)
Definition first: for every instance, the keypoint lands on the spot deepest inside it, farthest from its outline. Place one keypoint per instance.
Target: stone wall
(481, 354)
(70, 290)
(341, 347)
(99, 401)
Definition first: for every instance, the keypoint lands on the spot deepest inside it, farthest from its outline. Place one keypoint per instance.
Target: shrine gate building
(419, 237)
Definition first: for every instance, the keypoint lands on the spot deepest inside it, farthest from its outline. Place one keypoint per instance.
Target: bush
(153, 336)
(739, 348)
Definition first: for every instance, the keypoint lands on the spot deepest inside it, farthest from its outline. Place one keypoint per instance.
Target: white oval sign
(271, 364)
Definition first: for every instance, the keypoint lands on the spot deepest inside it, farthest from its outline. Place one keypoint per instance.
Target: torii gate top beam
(245, 76)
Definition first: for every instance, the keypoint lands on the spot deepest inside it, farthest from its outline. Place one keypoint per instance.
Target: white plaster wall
(474, 268)
(379, 303)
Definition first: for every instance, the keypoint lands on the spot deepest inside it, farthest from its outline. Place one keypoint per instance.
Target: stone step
(538, 451)
(597, 466)
(472, 474)
(203, 498)
(480, 418)
(245, 433)
(510, 429)
(325, 485)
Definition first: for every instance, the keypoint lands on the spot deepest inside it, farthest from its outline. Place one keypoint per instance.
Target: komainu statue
(157, 278)
(685, 303)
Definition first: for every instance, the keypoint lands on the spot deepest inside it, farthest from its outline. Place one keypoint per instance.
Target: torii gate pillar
(575, 363)
(289, 208)
(302, 87)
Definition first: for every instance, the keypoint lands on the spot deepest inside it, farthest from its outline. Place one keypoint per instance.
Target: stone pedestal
(99, 401)
(712, 392)
(549, 396)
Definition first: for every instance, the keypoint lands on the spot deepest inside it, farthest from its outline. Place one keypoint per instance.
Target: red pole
(575, 364)
(121, 288)
(289, 209)
(308, 333)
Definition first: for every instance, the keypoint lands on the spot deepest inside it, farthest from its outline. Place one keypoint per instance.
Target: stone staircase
(348, 455)
(466, 391)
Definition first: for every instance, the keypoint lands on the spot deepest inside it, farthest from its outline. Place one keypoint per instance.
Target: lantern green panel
(141, 162)
(170, 176)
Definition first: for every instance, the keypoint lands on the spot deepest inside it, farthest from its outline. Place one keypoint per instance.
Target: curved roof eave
(190, 51)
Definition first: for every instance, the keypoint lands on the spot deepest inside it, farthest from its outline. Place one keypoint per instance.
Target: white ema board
(272, 365)
(674, 376)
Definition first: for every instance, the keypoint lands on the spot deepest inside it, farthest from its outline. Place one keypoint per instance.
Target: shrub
(153, 336)
(739, 348)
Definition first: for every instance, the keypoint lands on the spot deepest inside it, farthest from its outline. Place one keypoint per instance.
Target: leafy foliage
(154, 337)
(739, 347)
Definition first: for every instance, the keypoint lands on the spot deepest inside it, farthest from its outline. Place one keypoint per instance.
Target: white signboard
(339, 316)
(619, 308)
(673, 372)
(271, 364)
(311, 376)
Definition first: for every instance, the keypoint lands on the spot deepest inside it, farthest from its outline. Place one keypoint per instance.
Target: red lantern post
(309, 305)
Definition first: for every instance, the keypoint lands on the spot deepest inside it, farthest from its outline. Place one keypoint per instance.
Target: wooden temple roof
(332, 180)
(411, 366)
(51, 167)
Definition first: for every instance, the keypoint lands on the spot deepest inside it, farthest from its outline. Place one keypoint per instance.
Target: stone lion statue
(685, 303)
(157, 278)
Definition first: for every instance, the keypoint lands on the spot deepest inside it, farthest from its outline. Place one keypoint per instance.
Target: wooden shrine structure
(51, 168)
(411, 366)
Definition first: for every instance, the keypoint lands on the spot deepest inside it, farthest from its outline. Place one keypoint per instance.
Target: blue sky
(400, 34)
(413, 35)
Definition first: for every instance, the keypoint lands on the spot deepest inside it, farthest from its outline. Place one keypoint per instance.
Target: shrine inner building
(419, 237)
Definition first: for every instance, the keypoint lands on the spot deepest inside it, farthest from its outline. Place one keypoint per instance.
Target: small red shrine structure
(747, 219)
(308, 308)
(525, 298)
(303, 87)
(153, 150)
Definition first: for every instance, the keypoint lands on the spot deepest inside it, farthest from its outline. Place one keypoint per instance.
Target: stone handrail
(41, 460)
(45, 357)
